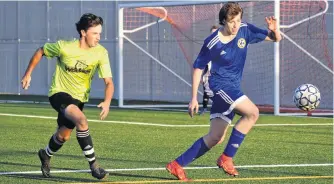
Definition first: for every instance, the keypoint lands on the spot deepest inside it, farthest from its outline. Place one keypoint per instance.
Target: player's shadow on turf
(18, 153)
(52, 178)
(27, 154)
(18, 164)
(79, 157)
(33, 165)
(137, 176)
(102, 159)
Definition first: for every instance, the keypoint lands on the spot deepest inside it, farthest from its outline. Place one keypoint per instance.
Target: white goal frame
(122, 36)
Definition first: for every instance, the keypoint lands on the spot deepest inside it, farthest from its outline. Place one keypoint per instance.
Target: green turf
(120, 146)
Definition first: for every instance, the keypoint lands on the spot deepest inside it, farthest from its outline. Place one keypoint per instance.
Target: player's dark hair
(229, 11)
(88, 20)
(213, 27)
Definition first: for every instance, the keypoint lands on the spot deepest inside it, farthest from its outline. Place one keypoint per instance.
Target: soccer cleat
(98, 172)
(226, 163)
(175, 169)
(45, 161)
(202, 111)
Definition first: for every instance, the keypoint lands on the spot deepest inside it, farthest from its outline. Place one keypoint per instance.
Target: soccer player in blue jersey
(226, 49)
(205, 81)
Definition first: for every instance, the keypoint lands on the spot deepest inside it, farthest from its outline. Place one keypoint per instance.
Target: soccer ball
(307, 97)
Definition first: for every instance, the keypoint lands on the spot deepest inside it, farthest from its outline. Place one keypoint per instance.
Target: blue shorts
(223, 103)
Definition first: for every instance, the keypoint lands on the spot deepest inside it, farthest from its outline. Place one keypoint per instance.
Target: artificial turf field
(135, 145)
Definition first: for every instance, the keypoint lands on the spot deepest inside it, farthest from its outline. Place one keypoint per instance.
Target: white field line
(162, 168)
(160, 125)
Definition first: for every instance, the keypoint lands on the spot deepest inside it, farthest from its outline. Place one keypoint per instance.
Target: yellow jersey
(76, 67)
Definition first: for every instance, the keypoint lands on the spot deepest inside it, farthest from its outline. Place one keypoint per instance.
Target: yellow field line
(214, 180)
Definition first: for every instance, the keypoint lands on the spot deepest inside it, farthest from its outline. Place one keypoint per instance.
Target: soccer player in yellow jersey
(77, 62)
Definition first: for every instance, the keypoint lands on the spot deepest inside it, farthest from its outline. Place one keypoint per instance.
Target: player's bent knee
(221, 140)
(215, 138)
(253, 115)
(82, 123)
(63, 138)
(66, 138)
(256, 114)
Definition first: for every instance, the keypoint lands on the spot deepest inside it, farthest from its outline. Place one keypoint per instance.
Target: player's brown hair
(229, 11)
(213, 27)
(88, 20)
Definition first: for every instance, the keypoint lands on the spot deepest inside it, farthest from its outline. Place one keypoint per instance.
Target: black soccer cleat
(98, 172)
(45, 161)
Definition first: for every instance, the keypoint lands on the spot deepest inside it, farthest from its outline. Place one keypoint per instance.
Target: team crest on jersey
(241, 43)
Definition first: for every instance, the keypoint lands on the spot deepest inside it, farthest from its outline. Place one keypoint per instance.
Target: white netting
(176, 42)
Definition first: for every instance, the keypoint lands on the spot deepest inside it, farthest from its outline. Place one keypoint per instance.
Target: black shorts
(59, 102)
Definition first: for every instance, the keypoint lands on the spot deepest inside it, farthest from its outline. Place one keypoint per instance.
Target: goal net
(158, 44)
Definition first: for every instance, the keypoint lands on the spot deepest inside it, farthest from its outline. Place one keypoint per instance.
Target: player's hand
(272, 23)
(193, 105)
(26, 81)
(104, 111)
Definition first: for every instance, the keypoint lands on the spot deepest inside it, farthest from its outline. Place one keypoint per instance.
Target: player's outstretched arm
(274, 34)
(193, 105)
(109, 92)
(32, 64)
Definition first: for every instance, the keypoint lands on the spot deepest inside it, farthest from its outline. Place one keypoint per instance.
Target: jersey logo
(80, 67)
(222, 52)
(81, 64)
(241, 43)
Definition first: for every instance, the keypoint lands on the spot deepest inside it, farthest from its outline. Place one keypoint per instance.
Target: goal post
(158, 41)
(304, 55)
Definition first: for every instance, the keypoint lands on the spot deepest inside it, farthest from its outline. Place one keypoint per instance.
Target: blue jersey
(228, 59)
